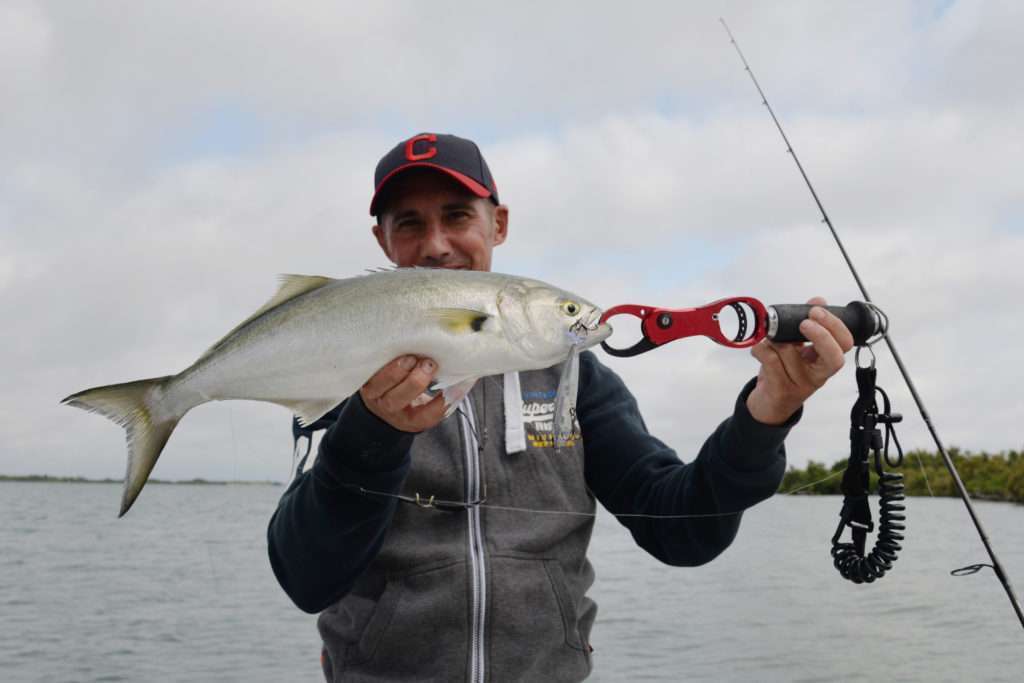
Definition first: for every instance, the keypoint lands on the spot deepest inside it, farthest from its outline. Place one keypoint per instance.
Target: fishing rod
(997, 567)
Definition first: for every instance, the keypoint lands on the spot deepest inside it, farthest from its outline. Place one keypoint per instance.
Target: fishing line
(642, 515)
(924, 474)
(961, 489)
(813, 483)
(432, 502)
(481, 438)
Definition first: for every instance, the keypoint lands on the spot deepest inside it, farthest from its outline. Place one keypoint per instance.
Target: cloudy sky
(161, 163)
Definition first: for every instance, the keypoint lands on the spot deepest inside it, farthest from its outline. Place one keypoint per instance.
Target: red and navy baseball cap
(458, 157)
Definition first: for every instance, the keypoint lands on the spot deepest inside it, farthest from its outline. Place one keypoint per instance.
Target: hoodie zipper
(477, 559)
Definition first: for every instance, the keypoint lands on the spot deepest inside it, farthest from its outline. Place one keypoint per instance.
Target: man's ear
(378, 232)
(500, 224)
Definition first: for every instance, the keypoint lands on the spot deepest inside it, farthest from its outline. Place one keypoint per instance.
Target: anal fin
(311, 410)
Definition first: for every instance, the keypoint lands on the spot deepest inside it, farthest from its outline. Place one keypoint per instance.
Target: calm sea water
(180, 590)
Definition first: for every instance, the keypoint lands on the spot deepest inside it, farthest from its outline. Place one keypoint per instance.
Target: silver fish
(319, 339)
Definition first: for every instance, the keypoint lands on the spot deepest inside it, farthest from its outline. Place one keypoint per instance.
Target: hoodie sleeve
(325, 532)
(630, 471)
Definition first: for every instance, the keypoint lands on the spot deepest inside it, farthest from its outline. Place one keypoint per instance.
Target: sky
(161, 163)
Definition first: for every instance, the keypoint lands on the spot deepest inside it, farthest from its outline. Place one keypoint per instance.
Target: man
(473, 589)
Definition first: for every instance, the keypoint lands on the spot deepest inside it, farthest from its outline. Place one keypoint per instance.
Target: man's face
(430, 220)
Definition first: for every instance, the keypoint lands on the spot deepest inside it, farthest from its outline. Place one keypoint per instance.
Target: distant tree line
(49, 479)
(986, 476)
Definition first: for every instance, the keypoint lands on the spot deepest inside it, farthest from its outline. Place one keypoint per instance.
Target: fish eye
(570, 308)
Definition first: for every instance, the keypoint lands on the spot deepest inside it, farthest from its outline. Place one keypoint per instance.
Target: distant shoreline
(48, 479)
(996, 477)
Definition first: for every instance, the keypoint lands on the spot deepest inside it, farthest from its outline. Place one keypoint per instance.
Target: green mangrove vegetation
(987, 476)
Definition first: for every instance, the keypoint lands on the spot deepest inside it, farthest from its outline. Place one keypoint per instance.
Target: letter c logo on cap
(410, 152)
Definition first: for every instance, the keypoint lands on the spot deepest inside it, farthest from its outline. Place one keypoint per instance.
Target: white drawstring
(515, 432)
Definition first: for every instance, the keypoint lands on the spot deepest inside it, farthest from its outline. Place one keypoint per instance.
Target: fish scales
(319, 339)
(326, 355)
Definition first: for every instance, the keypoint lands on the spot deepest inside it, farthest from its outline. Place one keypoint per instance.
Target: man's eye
(458, 215)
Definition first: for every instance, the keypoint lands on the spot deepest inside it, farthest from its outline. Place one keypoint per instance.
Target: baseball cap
(458, 157)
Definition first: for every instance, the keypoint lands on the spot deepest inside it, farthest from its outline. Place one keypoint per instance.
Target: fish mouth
(599, 333)
(588, 331)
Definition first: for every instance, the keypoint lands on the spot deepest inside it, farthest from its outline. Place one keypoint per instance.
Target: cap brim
(467, 182)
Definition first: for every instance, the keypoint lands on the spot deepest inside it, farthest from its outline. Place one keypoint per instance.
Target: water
(181, 590)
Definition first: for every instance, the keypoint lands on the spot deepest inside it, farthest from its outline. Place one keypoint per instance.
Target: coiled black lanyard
(867, 445)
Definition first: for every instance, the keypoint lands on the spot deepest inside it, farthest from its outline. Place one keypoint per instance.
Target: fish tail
(147, 411)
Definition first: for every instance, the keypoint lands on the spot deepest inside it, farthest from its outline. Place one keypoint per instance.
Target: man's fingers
(808, 354)
(392, 393)
(388, 377)
(829, 353)
(791, 358)
(762, 353)
(790, 373)
(425, 416)
(834, 325)
(770, 356)
(405, 392)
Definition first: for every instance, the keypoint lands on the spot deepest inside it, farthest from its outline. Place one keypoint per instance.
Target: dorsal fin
(291, 286)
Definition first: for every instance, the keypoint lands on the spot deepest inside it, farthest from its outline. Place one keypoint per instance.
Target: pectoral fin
(460, 320)
(454, 390)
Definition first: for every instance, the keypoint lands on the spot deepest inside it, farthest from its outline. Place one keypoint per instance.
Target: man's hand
(790, 373)
(390, 394)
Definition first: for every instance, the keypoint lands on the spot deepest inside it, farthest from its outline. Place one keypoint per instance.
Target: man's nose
(435, 245)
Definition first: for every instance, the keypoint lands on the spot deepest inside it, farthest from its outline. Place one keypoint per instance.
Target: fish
(319, 339)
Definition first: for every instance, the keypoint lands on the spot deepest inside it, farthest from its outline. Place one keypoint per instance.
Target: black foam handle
(861, 320)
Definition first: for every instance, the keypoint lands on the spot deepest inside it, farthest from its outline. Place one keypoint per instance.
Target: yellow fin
(291, 287)
(460, 320)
